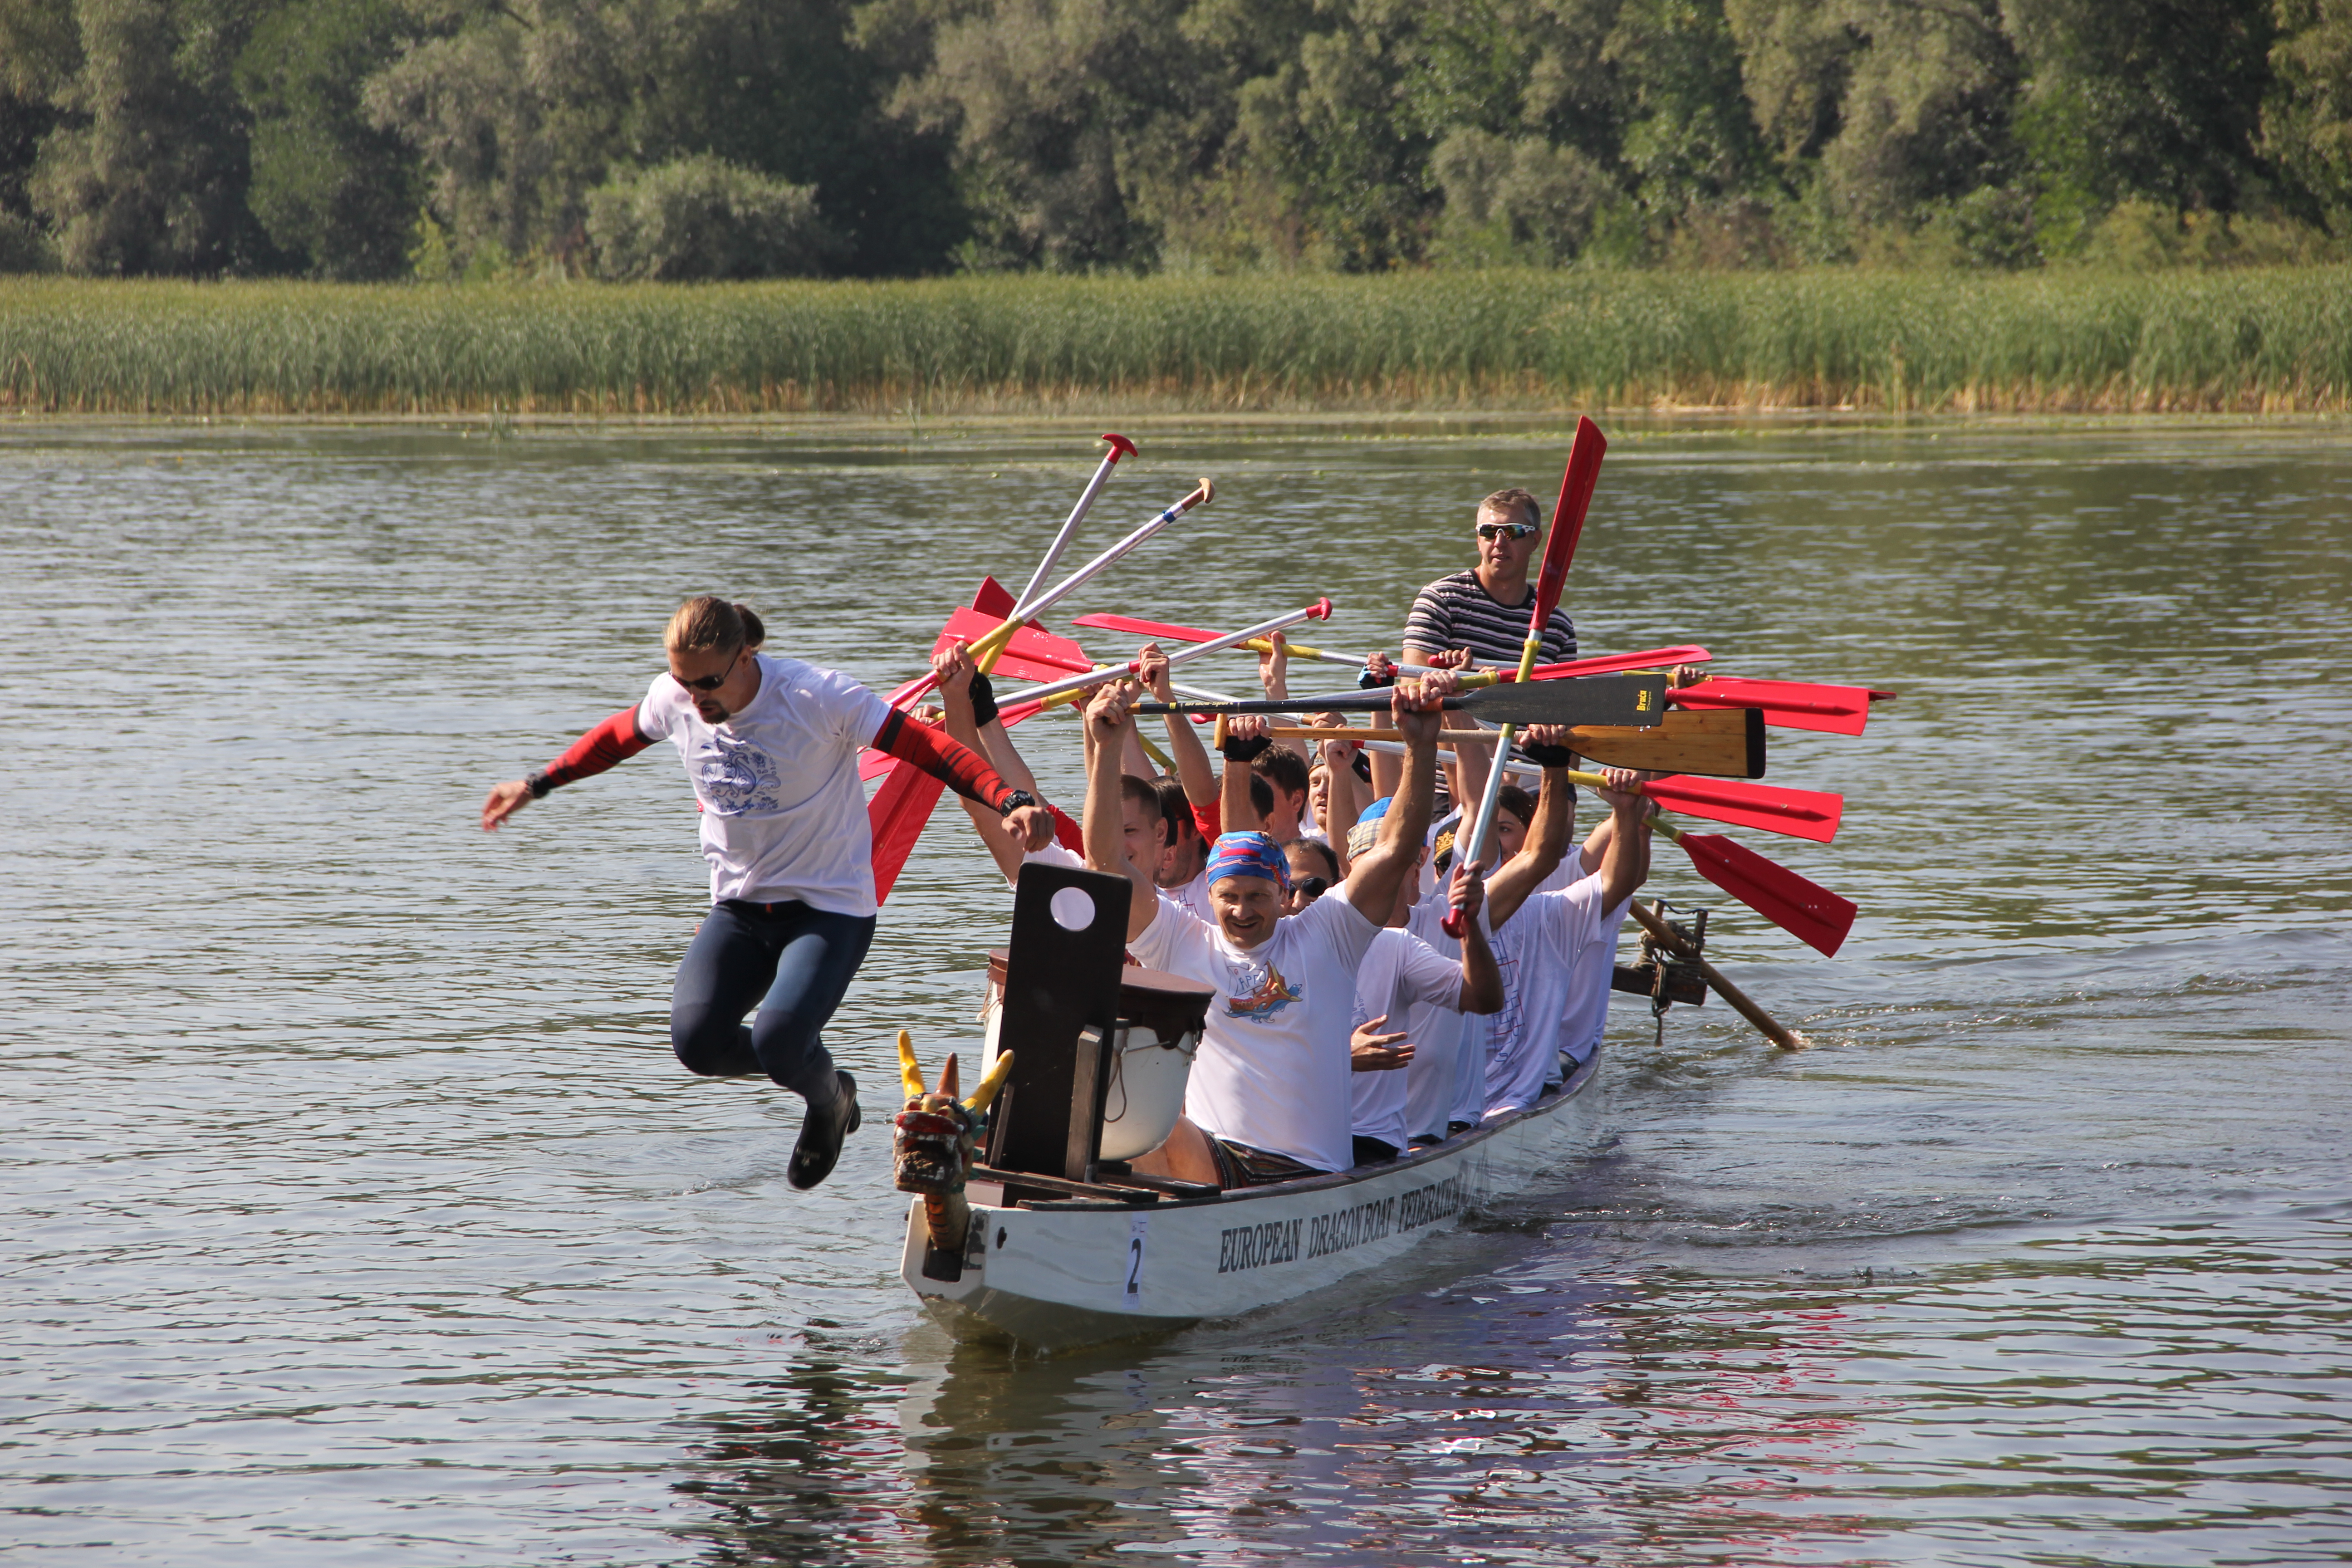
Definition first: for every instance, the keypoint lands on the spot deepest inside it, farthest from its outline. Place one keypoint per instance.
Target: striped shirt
(1457, 612)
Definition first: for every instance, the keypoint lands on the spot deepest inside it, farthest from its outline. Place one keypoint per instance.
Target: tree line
(374, 139)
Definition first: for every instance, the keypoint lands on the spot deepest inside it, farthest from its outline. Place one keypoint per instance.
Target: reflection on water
(359, 1208)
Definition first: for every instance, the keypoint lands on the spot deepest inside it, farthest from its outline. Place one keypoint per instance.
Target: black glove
(1547, 756)
(1237, 750)
(983, 700)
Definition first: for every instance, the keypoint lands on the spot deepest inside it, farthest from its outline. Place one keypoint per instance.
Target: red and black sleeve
(948, 759)
(613, 741)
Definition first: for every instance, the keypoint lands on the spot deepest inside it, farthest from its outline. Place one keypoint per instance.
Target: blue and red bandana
(1248, 855)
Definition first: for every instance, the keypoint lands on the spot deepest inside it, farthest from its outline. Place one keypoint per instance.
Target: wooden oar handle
(1766, 1025)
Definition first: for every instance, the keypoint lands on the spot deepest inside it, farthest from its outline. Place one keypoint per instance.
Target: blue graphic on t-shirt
(741, 778)
(1270, 995)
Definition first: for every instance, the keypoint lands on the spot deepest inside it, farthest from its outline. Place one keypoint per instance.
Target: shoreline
(2256, 341)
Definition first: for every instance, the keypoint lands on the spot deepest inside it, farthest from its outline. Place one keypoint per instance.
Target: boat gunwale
(1325, 1181)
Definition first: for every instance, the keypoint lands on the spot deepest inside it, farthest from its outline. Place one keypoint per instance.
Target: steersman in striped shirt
(1485, 609)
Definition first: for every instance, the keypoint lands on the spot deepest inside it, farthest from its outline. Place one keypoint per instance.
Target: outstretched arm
(1627, 865)
(613, 741)
(963, 770)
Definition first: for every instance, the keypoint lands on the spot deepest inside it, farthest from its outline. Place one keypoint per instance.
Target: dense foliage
(369, 139)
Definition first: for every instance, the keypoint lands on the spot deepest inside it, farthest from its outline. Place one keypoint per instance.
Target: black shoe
(821, 1135)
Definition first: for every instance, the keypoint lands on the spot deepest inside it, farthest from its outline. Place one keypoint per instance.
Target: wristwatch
(1014, 801)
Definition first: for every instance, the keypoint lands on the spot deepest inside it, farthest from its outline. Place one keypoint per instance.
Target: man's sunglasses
(1506, 529)
(710, 683)
(1310, 887)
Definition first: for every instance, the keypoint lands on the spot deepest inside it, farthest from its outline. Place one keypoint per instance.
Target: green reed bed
(2258, 339)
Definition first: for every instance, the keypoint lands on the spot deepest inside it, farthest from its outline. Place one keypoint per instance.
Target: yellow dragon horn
(910, 1074)
(998, 1071)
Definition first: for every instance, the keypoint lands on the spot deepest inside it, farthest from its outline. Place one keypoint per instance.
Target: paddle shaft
(1766, 1025)
(1317, 611)
(1120, 447)
(1023, 613)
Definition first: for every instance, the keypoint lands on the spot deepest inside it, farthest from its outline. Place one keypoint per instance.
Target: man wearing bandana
(1269, 1095)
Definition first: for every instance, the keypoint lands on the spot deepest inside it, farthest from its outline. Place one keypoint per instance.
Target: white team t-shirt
(1402, 978)
(1586, 1018)
(1272, 1069)
(1441, 1034)
(783, 814)
(1054, 854)
(1550, 939)
(1192, 898)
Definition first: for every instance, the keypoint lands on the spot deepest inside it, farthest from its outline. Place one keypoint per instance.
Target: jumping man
(771, 747)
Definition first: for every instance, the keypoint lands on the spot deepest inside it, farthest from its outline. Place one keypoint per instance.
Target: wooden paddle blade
(1728, 744)
(1790, 704)
(1798, 812)
(1629, 700)
(1806, 910)
(1576, 482)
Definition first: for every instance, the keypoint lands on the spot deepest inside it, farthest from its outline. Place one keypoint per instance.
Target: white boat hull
(1055, 1278)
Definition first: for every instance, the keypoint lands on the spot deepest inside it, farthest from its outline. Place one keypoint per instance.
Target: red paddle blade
(1806, 910)
(1789, 704)
(993, 599)
(1798, 812)
(1031, 655)
(1576, 484)
(1143, 628)
(1650, 658)
(895, 817)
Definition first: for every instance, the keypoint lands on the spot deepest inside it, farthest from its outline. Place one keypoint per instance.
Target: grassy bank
(2253, 340)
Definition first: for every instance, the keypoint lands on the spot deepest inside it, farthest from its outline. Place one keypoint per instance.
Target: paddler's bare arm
(1235, 811)
(1184, 749)
(1547, 840)
(953, 665)
(1482, 978)
(1342, 808)
(1627, 865)
(1376, 873)
(1108, 723)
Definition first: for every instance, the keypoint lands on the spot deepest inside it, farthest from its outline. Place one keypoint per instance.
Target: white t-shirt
(1587, 1019)
(1192, 898)
(1433, 1081)
(1054, 854)
(1402, 978)
(783, 814)
(1272, 1069)
(1550, 939)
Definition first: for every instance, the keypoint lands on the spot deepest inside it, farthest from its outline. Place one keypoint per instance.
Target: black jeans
(793, 964)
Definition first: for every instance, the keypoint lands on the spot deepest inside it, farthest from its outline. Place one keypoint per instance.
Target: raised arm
(1108, 723)
(957, 673)
(615, 740)
(1547, 840)
(1184, 749)
(1482, 978)
(1243, 737)
(1376, 873)
(1626, 866)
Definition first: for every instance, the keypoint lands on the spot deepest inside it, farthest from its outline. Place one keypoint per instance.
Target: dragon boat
(1027, 1223)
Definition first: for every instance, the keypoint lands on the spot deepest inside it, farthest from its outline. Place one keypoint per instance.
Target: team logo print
(737, 777)
(1272, 996)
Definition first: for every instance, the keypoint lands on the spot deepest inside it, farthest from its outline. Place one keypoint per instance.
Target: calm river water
(356, 1211)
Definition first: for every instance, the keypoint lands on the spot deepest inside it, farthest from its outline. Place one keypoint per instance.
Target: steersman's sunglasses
(1506, 529)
